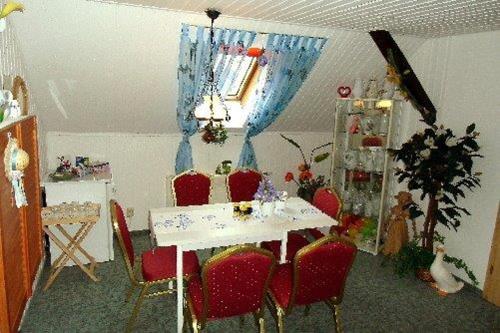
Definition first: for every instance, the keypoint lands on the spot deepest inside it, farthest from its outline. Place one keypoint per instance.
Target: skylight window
(243, 67)
(241, 73)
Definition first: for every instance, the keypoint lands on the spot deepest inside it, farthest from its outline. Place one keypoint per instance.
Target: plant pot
(424, 274)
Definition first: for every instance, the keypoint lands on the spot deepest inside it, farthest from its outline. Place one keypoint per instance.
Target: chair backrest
(191, 188)
(321, 269)
(235, 281)
(328, 201)
(123, 234)
(242, 184)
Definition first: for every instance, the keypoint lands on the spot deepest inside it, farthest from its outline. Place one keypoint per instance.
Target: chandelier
(212, 111)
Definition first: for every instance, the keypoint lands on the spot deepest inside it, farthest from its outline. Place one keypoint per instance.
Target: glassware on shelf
(366, 160)
(378, 160)
(358, 202)
(347, 196)
(368, 125)
(350, 159)
(383, 128)
(374, 196)
(357, 90)
(372, 88)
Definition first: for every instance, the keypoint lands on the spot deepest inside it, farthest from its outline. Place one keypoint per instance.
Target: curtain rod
(258, 32)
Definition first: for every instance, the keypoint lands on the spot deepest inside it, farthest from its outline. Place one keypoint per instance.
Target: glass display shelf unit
(362, 170)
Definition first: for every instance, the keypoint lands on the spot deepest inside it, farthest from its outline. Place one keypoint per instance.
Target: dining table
(192, 228)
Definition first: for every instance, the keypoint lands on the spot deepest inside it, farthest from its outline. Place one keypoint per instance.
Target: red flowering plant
(306, 181)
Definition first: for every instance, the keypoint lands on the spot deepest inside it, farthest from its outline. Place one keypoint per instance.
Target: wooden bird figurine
(445, 281)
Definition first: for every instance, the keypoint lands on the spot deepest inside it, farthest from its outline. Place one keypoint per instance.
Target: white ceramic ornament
(445, 281)
(357, 90)
(13, 111)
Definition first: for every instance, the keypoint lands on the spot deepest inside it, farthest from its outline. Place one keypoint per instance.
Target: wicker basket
(424, 274)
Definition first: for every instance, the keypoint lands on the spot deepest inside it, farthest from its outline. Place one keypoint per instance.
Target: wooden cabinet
(20, 228)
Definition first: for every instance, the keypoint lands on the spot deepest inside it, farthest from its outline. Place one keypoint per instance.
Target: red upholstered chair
(318, 274)
(191, 188)
(329, 202)
(294, 243)
(158, 266)
(232, 283)
(242, 184)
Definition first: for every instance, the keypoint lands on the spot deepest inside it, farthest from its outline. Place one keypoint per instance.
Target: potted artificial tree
(440, 165)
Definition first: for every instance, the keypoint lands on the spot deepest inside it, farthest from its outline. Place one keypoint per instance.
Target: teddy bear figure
(397, 229)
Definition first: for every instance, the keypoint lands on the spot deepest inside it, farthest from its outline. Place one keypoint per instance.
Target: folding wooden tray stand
(87, 215)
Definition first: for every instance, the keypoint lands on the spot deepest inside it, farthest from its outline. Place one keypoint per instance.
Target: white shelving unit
(362, 168)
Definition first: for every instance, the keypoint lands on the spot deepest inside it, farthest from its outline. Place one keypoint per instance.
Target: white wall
(461, 75)
(103, 67)
(141, 162)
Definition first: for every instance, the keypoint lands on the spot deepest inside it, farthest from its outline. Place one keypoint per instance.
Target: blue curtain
(290, 59)
(194, 56)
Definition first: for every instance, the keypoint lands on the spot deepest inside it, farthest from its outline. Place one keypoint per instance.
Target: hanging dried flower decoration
(214, 133)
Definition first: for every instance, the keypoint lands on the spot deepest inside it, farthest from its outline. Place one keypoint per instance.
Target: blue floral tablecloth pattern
(217, 219)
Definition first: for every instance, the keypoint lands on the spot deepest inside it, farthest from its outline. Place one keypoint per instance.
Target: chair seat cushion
(160, 263)
(294, 243)
(281, 284)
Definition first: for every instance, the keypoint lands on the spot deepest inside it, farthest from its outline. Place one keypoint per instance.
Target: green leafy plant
(439, 164)
(412, 257)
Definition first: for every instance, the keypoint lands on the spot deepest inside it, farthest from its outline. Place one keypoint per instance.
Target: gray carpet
(375, 301)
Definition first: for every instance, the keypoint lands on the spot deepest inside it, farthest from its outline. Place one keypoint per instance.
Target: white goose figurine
(445, 281)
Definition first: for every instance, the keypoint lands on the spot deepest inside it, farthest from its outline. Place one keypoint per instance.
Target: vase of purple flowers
(267, 195)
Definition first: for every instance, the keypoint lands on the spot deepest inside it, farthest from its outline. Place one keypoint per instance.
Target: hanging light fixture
(212, 111)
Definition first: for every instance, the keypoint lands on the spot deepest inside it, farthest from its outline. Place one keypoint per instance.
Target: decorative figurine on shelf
(12, 111)
(397, 229)
(445, 281)
(9, 107)
(372, 88)
(344, 92)
(355, 124)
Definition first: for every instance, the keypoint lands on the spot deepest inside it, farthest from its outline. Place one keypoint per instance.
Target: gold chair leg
(259, 321)
(130, 292)
(262, 325)
(137, 307)
(195, 328)
(307, 310)
(280, 321)
(336, 315)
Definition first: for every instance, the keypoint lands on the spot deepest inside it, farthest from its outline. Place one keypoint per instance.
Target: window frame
(244, 85)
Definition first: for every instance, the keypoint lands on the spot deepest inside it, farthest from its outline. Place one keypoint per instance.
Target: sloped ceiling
(424, 18)
(103, 67)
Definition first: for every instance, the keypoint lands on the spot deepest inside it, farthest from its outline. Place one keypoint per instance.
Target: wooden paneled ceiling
(422, 18)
